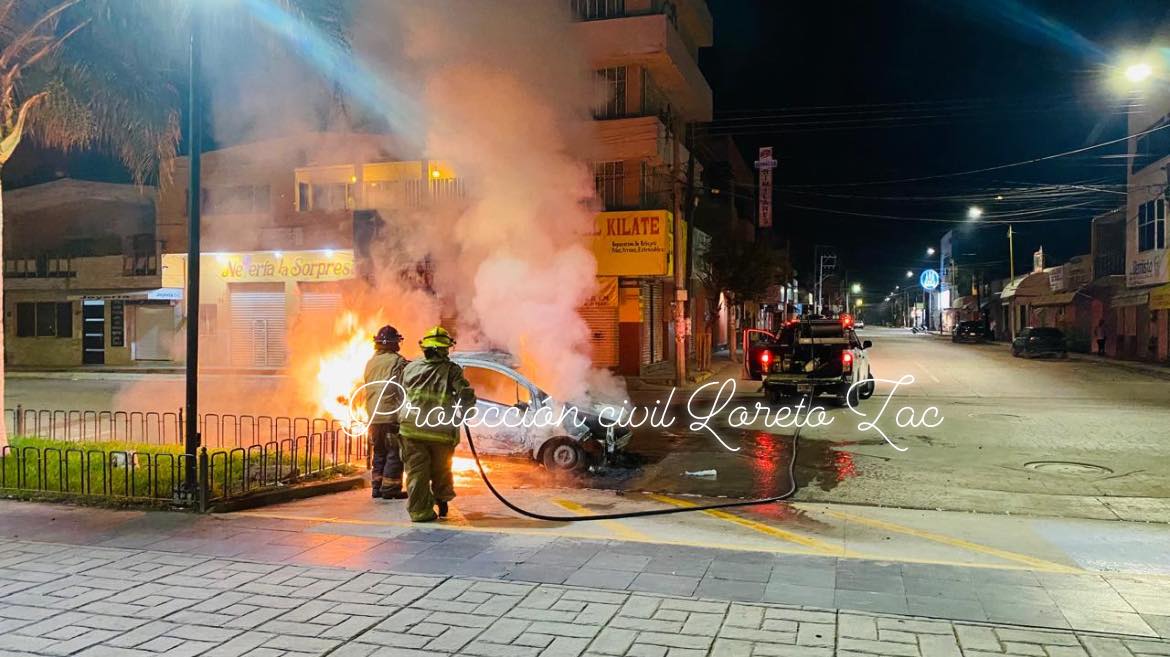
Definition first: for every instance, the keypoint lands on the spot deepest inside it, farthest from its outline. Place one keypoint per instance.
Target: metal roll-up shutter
(320, 304)
(258, 325)
(602, 321)
(646, 291)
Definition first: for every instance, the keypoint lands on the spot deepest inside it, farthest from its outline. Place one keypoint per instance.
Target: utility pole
(698, 324)
(1011, 252)
(191, 437)
(680, 284)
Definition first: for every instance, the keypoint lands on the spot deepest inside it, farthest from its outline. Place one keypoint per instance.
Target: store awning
(1060, 299)
(1130, 298)
(160, 294)
(1009, 290)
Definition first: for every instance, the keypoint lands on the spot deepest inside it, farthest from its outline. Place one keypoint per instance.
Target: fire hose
(649, 512)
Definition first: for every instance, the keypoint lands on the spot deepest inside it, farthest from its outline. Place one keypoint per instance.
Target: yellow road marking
(612, 525)
(1032, 562)
(820, 547)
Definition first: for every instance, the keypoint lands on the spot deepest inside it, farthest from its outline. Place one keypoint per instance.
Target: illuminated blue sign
(929, 279)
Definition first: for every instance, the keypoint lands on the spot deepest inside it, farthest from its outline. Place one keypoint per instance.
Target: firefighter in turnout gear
(434, 386)
(382, 402)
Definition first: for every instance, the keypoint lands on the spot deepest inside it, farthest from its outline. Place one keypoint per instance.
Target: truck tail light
(765, 358)
(847, 361)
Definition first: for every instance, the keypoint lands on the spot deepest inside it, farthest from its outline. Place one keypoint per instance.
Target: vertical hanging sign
(765, 164)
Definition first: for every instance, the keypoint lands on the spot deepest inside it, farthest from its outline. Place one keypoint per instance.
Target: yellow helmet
(436, 337)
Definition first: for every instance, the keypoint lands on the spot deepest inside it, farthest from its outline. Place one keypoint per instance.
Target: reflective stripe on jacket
(384, 366)
(434, 383)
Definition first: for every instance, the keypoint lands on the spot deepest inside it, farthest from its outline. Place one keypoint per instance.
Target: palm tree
(109, 74)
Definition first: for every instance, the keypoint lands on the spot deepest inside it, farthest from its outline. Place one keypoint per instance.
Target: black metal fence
(139, 455)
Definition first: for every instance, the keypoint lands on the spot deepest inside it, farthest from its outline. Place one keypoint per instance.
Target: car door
(503, 403)
(860, 358)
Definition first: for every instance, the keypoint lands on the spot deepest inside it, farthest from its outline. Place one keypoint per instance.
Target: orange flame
(341, 371)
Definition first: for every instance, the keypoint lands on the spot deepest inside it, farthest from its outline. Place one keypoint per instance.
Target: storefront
(635, 260)
(249, 300)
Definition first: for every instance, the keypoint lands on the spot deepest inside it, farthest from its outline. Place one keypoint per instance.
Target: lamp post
(191, 437)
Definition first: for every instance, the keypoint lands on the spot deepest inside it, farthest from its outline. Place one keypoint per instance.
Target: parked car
(498, 383)
(820, 356)
(859, 324)
(1040, 341)
(760, 349)
(971, 331)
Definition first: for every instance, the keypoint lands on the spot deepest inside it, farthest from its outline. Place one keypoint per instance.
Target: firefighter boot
(442, 509)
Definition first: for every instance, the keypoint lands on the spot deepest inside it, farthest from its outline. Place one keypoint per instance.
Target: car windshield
(1044, 332)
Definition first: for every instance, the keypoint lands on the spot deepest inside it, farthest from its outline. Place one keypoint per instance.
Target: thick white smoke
(505, 95)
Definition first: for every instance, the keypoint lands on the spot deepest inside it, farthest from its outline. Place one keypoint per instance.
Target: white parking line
(928, 372)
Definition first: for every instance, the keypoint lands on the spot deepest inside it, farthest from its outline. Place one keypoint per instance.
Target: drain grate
(1067, 467)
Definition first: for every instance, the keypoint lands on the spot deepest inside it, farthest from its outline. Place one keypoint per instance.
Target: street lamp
(191, 437)
(1138, 72)
(909, 274)
(974, 212)
(930, 250)
(856, 288)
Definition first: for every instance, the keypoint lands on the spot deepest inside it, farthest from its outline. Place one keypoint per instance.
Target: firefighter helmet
(388, 335)
(436, 337)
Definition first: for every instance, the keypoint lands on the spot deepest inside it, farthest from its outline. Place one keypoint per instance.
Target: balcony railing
(1109, 265)
(140, 265)
(596, 10)
(40, 267)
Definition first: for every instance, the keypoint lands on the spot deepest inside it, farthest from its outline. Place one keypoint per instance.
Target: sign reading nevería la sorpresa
(270, 266)
(634, 243)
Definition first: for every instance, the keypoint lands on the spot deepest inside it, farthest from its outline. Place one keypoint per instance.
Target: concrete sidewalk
(97, 602)
(96, 582)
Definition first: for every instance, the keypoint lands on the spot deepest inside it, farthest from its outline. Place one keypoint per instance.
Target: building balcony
(652, 41)
(47, 272)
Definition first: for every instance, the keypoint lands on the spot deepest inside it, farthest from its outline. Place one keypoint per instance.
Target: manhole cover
(1066, 467)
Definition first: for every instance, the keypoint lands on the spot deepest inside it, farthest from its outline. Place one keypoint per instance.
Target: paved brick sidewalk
(69, 600)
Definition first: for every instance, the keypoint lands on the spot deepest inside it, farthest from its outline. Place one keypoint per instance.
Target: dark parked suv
(1040, 341)
(970, 332)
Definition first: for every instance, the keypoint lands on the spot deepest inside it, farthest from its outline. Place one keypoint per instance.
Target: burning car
(564, 446)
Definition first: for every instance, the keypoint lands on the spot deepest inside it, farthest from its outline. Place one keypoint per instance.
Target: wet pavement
(1051, 438)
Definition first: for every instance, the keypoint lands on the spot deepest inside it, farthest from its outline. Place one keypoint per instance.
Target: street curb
(1160, 372)
(291, 493)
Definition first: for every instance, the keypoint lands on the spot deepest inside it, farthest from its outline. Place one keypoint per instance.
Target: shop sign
(1147, 268)
(1056, 279)
(267, 266)
(606, 294)
(634, 243)
(117, 323)
(1160, 298)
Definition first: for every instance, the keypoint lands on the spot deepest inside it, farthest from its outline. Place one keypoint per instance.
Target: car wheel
(562, 454)
(1015, 352)
(866, 391)
(849, 398)
(774, 396)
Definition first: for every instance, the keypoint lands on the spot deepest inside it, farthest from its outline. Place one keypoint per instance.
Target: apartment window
(1152, 147)
(332, 196)
(610, 180)
(590, 10)
(303, 197)
(233, 199)
(46, 319)
(653, 100)
(610, 93)
(1151, 225)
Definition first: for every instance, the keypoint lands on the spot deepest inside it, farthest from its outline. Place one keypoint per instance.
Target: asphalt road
(1043, 437)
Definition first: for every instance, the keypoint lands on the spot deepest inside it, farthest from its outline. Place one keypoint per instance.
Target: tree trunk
(3, 353)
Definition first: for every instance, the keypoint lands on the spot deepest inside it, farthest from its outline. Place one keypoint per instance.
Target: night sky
(854, 92)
